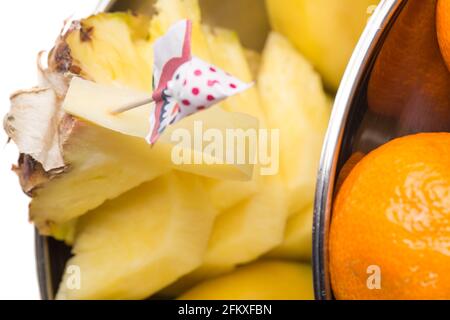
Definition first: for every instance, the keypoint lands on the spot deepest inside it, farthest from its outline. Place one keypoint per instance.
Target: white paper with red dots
(184, 84)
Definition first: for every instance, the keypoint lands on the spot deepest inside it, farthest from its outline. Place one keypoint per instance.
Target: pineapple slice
(190, 280)
(140, 242)
(266, 280)
(294, 102)
(62, 154)
(98, 171)
(114, 49)
(94, 102)
(222, 48)
(171, 11)
(228, 54)
(297, 243)
(248, 230)
(254, 61)
(241, 234)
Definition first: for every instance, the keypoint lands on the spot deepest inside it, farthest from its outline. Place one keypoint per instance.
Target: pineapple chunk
(137, 244)
(94, 102)
(297, 243)
(254, 62)
(248, 230)
(172, 11)
(98, 171)
(228, 54)
(241, 234)
(190, 280)
(295, 103)
(222, 48)
(267, 280)
(62, 154)
(113, 48)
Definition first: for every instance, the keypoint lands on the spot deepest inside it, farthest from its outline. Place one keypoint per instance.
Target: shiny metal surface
(395, 84)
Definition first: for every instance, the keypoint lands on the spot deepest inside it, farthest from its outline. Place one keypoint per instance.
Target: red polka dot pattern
(201, 85)
(212, 83)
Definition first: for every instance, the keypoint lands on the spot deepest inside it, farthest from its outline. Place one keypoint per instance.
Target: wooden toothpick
(131, 106)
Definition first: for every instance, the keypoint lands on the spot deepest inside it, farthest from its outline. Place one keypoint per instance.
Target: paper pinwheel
(184, 84)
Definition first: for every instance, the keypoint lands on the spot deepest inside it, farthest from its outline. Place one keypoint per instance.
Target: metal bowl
(360, 122)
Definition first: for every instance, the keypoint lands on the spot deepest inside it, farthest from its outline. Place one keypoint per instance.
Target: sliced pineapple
(228, 54)
(62, 154)
(190, 280)
(254, 61)
(94, 103)
(171, 11)
(248, 230)
(266, 280)
(295, 103)
(98, 170)
(297, 243)
(113, 48)
(135, 245)
(222, 48)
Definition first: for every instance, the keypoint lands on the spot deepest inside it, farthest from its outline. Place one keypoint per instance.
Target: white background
(27, 26)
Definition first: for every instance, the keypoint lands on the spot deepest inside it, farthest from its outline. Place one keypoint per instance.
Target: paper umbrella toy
(184, 84)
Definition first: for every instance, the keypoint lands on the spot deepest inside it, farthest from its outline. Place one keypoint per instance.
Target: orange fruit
(443, 28)
(391, 223)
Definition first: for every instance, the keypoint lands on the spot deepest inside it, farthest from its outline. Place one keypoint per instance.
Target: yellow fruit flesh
(270, 280)
(246, 231)
(297, 243)
(114, 49)
(254, 213)
(98, 171)
(93, 102)
(135, 245)
(222, 48)
(228, 54)
(241, 234)
(172, 11)
(325, 31)
(295, 103)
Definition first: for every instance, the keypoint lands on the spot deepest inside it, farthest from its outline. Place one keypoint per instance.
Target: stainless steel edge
(353, 76)
(104, 5)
